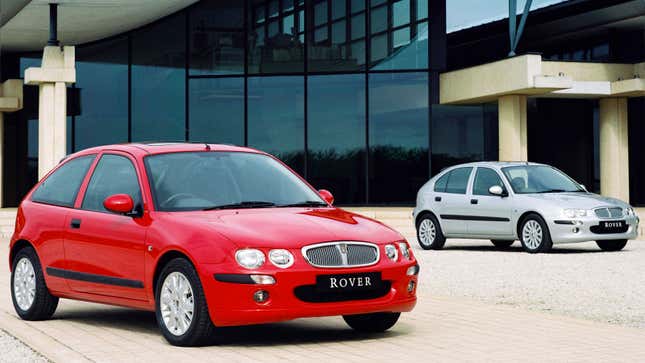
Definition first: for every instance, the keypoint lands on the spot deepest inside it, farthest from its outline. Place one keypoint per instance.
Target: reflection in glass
(217, 37)
(336, 136)
(274, 46)
(276, 117)
(102, 81)
(217, 110)
(398, 136)
(158, 81)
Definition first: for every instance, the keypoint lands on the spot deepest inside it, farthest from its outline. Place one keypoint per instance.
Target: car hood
(578, 200)
(289, 227)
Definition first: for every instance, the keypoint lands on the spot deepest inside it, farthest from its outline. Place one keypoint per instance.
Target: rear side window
(114, 174)
(61, 187)
(440, 184)
(458, 180)
(484, 179)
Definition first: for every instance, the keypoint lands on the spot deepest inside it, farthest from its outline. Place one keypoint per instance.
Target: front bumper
(232, 304)
(584, 229)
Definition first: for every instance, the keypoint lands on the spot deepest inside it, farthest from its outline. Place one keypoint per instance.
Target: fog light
(261, 296)
(413, 270)
(411, 286)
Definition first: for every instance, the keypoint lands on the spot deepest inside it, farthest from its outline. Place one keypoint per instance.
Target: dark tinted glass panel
(61, 187)
(330, 42)
(217, 37)
(114, 174)
(378, 19)
(102, 84)
(636, 115)
(484, 179)
(400, 13)
(398, 136)
(357, 5)
(274, 45)
(276, 118)
(336, 136)
(458, 181)
(422, 9)
(217, 110)
(158, 81)
(462, 134)
(440, 184)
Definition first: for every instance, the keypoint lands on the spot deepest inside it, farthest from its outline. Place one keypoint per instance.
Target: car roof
(150, 148)
(493, 164)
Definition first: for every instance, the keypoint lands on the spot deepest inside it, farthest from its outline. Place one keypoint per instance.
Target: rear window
(454, 181)
(61, 187)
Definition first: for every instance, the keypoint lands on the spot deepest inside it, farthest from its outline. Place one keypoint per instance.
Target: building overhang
(11, 95)
(26, 26)
(531, 76)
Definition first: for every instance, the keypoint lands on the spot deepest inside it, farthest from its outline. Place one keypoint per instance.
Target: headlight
(405, 250)
(281, 258)
(574, 213)
(629, 212)
(250, 258)
(391, 252)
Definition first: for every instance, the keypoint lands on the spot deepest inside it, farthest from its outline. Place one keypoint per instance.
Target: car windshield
(525, 179)
(224, 180)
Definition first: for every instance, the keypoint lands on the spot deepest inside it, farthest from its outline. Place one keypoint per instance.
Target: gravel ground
(13, 350)
(575, 280)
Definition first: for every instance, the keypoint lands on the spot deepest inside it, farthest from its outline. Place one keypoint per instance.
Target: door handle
(474, 201)
(437, 199)
(76, 223)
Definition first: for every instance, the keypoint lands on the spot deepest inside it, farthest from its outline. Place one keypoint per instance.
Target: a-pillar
(614, 151)
(57, 70)
(10, 101)
(512, 128)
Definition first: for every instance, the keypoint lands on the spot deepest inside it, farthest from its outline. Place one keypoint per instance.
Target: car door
(453, 202)
(491, 214)
(105, 251)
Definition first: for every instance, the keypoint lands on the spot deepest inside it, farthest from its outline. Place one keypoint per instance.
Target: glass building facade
(343, 91)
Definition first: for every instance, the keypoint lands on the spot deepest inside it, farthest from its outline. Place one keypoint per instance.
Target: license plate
(349, 282)
(610, 225)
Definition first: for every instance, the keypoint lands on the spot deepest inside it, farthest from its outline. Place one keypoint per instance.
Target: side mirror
(498, 191)
(584, 187)
(326, 195)
(119, 203)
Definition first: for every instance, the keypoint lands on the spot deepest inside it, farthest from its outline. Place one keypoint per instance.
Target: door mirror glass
(119, 203)
(326, 195)
(496, 190)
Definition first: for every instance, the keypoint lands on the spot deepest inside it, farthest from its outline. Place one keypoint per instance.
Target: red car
(204, 235)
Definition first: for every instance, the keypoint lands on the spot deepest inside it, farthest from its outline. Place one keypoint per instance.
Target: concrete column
(512, 128)
(56, 72)
(614, 152)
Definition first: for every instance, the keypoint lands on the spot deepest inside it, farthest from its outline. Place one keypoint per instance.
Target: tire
(198, 330)
(372, 323)
(501, 243)
(26, 271)
(534, 234)
(429, 234)
(612, 246)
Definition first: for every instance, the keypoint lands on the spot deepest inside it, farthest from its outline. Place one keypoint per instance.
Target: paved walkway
(440, 329)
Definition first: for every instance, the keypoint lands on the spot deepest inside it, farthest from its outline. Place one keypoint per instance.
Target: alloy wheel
(427, 232)
(532, 234)
(24, 284)
(177, 303)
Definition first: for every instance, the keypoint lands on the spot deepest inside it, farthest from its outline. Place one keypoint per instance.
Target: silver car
(506, 201)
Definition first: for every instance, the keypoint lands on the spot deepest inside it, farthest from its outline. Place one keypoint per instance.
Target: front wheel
(372, 323)
(534, 235)
(612, 246)
(29, 293)
(429, 233)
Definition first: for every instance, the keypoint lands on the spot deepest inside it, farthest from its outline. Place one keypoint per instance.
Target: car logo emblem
(343, 248)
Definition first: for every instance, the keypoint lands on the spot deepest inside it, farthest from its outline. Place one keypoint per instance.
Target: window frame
(468, 180)
(500, 177)
(79, 189)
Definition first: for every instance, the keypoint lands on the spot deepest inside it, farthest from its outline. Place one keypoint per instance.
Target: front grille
(602, 230)
(309, 293)
(608, 213)
(341, 254)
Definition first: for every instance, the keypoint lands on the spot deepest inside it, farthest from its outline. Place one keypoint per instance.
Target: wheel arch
(163, 260)
(18, 246)
(520, 220)
(423, 213)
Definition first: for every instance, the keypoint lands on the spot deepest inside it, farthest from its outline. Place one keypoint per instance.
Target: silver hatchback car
(506, 201)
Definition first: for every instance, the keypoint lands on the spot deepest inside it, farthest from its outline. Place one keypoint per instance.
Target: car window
(61, 187)
(484, 179)
(458, 180)
(114, 174)
(525, 179)
(440, 184)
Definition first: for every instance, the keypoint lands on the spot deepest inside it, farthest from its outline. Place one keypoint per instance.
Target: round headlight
(405, 250)
(250, 258)
(281, 258)
(391, 252)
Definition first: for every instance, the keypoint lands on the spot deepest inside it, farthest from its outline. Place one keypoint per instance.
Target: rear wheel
(611, 246)
(29, 293)
(534, 235)
(501, 243)
(372, 323)
(429, 233)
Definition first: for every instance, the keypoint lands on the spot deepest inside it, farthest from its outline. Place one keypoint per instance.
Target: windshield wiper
(552, 191)
(307, 203)
(245, 204)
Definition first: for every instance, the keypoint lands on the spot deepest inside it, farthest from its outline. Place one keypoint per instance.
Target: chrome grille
(341, 254)
(607, 213)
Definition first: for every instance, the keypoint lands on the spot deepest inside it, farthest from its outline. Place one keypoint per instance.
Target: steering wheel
(174, 198)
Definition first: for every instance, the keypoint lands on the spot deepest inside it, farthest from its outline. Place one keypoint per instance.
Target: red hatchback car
(205, 236)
